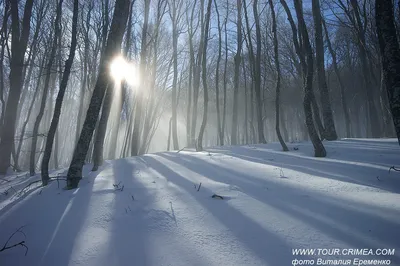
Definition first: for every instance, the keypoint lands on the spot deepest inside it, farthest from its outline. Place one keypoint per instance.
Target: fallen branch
(37, 181)
(394, 168)
(181, 149)
(21, 243)
(215, 196)
(2, 178)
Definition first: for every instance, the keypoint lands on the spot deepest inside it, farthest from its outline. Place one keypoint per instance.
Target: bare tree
(330, 130)
(136, 135)
(204, 77)
(46, 86)
(19, 43)
(390, 53)
(278, 77)
(60, 96)
(319, 149)
(118, 25)
(237, 59)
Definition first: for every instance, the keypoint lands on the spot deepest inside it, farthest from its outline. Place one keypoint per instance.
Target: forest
(94, 80)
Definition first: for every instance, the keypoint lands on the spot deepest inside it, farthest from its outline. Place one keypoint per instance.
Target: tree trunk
(18, 48)
(278, 77)
(319, 149)
(175, 35)
(330, 130)
(341, 86)
(57, 31)
(217, 96)
(372, 117)
(390, 53)
(204, 78)
(59, 100)
(257, 76)
(113, 46)
(225, 77)
(237, 59)
(136, 135)
(98, 148)
(196, 77)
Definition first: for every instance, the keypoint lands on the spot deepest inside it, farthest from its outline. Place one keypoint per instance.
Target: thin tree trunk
(341, 86)
(45, 92)
(175, 35)
(257, 76)
(219, 134)
(278, 77)
(204, 78)
(196, 78)
(225, 77)
(59, 99)
(136, 135)
(237, 59)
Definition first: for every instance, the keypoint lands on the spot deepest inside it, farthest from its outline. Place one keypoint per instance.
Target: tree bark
(237, 59)
(217, 95)
(278, 77)
(18, 47)
(341, 85)
(257, 77)
(175, 20)
(118, 25)
(329, 124)
(390, 52)
(57, 31)
(98, 147)
(136, 135)
(204, 78)
(319, 149)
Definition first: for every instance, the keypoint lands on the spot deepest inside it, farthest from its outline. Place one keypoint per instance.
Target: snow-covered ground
(273, 202)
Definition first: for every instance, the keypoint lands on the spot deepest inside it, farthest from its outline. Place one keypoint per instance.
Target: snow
(273, 202)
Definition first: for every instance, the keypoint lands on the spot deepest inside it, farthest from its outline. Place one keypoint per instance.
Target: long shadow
(266, 245)
(138, 227)
(53, 224)
(128, 241)
(247, 180)
(346, 214)
(342, 171)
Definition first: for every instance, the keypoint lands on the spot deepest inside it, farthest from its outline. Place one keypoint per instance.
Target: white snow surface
(273, 202)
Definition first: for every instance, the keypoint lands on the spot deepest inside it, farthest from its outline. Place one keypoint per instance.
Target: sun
(121, 70)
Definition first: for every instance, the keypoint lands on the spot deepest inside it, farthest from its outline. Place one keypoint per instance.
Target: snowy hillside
(150, 210)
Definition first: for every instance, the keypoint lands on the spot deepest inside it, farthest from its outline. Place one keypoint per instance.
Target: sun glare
(121, 70)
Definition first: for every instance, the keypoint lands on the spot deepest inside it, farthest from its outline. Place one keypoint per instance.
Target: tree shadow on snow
(371, 176)
(267, 245)
(52, 224)
(358, 225)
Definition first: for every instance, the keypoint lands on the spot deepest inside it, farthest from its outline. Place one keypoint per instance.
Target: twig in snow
(215, 196)
(282, 174)
(4, 179)
(181, 149)
(133, 198)
(394, 168)
(199, 187)
(378, 178)
(117, 185)
(21, 243)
